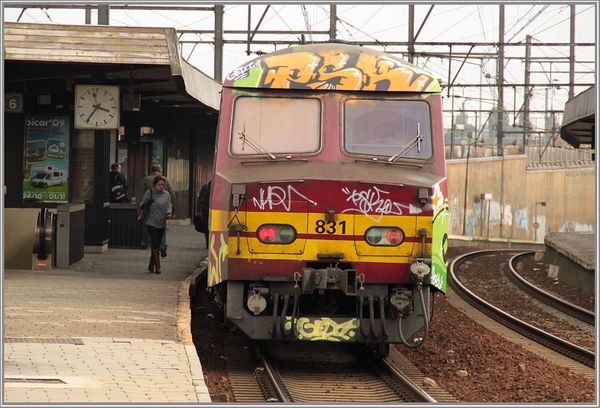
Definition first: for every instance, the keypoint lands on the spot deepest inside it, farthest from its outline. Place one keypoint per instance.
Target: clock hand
(94, 111)
(101, 108)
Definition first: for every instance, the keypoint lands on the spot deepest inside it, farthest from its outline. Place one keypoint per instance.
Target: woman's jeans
(156, 235)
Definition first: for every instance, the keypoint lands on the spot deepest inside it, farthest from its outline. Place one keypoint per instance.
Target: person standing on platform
(201, 223)
(158, 201)
(145, 185)
(118, 185)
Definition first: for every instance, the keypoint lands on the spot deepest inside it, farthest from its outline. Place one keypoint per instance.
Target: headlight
(384, 236)
(373, 236)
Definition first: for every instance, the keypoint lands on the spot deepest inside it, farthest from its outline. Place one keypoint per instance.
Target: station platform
(105, 330)
(579, 246)
(572, 255)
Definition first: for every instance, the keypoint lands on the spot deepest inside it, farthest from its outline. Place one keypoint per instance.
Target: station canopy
(145, 62)
(579, 120)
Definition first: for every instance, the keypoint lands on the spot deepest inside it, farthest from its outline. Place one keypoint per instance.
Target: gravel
(469, 361)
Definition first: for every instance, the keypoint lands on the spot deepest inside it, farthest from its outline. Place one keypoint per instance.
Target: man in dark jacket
(201, 219)
(118, 185)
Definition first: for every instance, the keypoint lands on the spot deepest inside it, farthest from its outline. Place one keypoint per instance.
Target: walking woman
(159, 201)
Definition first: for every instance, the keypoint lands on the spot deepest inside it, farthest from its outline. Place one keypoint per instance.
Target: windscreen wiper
(254, 145)
(416, 140)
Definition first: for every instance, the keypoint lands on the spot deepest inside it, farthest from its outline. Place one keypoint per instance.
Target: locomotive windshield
(271, 126)
(394, 129)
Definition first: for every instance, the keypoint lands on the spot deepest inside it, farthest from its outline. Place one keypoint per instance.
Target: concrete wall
(571, 272)
(494, 243)
(569, 193)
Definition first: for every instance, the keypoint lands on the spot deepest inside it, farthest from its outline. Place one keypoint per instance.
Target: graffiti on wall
(472, 220)
(481, 219)
(539, 228)
(454, 225)
(521, 218)
(494, 218)
(507, 218)
(574, 226)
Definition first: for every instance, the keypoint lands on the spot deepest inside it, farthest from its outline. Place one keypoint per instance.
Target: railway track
(325, 373)
(339, 374)
(553, 342)
(250, 380)
(575, 311)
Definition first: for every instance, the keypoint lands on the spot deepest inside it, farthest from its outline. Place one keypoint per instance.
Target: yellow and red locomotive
(328, 209)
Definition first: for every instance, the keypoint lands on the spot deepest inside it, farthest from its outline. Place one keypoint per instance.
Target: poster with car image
(46, 169)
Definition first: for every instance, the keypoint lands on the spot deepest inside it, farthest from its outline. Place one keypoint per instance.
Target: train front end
(329, 207)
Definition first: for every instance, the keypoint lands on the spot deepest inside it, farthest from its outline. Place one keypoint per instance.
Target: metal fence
(536, 155)
(561, 155)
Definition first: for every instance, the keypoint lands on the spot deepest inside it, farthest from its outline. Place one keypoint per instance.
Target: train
(329, 207)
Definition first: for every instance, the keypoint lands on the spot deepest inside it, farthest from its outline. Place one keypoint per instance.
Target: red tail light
(384, 236)
(266, 234)
(394, 236)
(276, 234)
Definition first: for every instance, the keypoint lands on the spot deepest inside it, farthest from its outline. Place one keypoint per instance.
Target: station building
(80, 97)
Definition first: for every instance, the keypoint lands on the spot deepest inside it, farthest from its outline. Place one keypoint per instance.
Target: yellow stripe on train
(344, 234)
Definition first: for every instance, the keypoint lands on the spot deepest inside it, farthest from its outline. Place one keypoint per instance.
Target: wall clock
(96, 107)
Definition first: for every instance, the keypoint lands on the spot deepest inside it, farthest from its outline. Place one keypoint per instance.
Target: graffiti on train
(325, 329)
(334, 70)
(275, 196)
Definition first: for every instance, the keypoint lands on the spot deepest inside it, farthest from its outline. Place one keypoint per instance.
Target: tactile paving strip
(74, 341)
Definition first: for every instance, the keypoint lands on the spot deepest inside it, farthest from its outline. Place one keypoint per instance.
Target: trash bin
(125, 229)
(70, 236)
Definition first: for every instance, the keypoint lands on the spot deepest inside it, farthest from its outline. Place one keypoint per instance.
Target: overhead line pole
(501, 115)
(527, 90)
(572, 52)
(411, 32)
(332, 22)
(219, 43)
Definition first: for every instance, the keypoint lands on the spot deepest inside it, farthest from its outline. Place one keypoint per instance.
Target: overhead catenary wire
(372, 22)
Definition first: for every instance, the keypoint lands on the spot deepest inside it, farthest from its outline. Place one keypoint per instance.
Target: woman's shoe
(154, 266)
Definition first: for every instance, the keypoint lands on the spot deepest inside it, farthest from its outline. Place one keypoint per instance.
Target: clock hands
(100, 107)
(92, 113)
(96, 108)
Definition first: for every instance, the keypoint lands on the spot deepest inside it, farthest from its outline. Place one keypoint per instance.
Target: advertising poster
(157, 151)
(46, 172)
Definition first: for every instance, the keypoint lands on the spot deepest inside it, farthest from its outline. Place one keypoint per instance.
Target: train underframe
(325, 303)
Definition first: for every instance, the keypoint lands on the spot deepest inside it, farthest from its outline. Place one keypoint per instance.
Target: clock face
(96, 107)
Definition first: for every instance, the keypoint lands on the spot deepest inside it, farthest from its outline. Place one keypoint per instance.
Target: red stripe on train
(332, 237)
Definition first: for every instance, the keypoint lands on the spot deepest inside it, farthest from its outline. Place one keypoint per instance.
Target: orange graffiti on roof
(348, 68)
(390, 75)
(283, 72)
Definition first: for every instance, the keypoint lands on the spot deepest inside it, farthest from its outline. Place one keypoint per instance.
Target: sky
(446, 23)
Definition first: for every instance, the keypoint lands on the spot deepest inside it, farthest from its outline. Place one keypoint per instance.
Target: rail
(555, 343)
